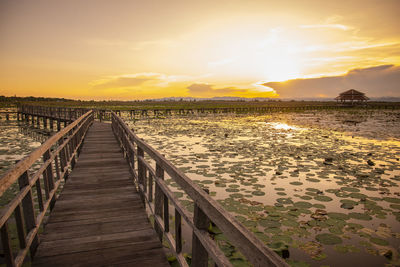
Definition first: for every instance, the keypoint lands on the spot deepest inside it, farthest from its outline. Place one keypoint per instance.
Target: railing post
(178, 232)
(49, 177)
(29, 211)
(158, 201)
(141, 170)
(19, 219)
(63, 161)
(7, 250)
(199, 253)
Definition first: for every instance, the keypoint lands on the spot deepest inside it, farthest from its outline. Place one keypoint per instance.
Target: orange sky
(100, 49)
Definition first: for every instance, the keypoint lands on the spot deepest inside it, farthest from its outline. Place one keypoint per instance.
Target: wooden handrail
(59, 154)
(206, 208)
(63, 113)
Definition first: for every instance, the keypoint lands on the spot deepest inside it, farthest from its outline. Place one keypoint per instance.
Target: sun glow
(273, 56)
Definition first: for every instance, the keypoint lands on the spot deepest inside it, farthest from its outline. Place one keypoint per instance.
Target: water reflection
(18, 139)
(295, 186)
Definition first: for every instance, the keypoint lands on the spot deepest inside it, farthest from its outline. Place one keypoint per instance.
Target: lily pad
(258, 193)
(284, 200)
(360, 216)
(236, 195)
(323, 198)
(279, 189)
(395, 206)
(378, 241)
(328, 239)
(392, 200)
(313, 180)
(303, 204)
(350, 189)
(232, 190)
(358, 195)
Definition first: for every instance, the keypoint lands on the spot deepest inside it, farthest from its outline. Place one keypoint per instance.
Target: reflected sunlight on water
(283, 126)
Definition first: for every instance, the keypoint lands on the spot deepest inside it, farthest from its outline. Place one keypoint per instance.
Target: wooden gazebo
(352, 96)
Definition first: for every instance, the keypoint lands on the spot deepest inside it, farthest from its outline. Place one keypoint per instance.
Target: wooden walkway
(99, 219)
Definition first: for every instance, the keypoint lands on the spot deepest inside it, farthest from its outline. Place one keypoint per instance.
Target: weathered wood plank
(99, 218)
(126, 255)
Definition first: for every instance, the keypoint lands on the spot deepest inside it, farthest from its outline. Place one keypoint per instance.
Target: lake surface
(318, 188)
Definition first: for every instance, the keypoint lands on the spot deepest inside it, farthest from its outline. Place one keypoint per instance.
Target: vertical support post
(29, 211)
(199, 253)
(44, 122)
(166, 214)
(5, 239)
(178, 232)
(19, 219)
(159, 199)
(50, 177)
(150, 187)
(141, 170)
(63, 161)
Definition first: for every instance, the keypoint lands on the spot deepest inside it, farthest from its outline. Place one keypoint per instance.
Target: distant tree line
(16, 99)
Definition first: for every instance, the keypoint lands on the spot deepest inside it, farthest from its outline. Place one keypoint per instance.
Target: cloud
(377, 81)
(136, 80)
(204, 89)
(121, 82)
(208, 90)
(335, 26)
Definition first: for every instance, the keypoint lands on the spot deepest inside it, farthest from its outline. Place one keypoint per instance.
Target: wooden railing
(60, 113)
(59, 154)
(157, 196)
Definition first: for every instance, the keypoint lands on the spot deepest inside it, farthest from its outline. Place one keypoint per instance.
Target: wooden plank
(96, 229)
(99, 218)
(126, 255)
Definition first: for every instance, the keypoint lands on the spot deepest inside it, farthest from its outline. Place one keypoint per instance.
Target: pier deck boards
(99, 219)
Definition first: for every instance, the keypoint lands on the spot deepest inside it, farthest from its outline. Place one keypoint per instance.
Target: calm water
(325, 191)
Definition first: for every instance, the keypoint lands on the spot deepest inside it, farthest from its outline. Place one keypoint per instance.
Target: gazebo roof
(352, 95)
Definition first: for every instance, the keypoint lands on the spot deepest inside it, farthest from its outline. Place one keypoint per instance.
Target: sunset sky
(101, 49)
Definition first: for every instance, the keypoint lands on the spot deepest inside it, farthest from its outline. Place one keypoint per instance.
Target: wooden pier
(99, 183)
(99, 218)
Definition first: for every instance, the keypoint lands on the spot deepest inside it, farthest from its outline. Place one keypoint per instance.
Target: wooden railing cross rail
(206, 208)
(59, 154)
